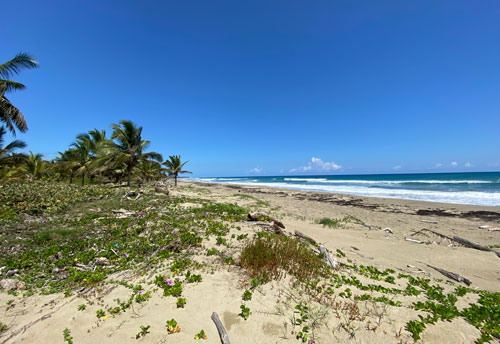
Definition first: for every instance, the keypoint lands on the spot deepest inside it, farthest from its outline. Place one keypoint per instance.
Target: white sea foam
(459, 197)
(353, 181)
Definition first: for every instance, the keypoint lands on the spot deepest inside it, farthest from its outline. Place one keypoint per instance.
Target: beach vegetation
(143, 331)
(245, 312)
(181, 302)
(67, 336)
(172, 326)
(247, 295)
(270, 256)
(200, 335)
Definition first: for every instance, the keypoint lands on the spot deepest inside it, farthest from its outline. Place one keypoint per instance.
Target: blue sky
(268, 87)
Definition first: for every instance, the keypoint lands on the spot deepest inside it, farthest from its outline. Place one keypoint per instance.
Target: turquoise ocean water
(481, 188)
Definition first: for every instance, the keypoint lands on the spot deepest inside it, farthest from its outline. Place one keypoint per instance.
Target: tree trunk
(83, 178)
(71, 178)
(175, 178)
(129, 172)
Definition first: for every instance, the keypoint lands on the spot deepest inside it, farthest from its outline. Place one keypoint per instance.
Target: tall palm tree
(130, 146)
(9, 114)
(82, 155)
(174, 166)
(6, 153)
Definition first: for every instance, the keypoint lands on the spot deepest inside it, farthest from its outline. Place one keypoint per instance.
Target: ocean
(480, 188)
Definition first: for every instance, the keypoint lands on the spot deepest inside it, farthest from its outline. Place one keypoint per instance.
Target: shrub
(269, 256)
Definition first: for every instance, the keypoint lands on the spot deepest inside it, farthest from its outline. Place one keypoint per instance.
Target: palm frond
(14, 66)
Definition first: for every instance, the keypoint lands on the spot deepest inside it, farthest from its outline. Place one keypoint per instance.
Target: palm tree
(6, 153)
(82, 155)
(130, 146)
(174, 166)
(34, 166)
(9, 114)
(66, 164)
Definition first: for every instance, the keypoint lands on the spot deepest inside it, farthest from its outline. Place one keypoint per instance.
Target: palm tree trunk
(83, 178)
(129, 172)
(175, 178)
(71, 178)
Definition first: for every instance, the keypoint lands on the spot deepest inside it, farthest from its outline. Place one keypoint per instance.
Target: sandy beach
(407, 237)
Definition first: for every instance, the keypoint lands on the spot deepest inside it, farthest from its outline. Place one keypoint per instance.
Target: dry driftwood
(328, 257)
(429, 221)
(413, 240)
(162, 190)
(264, 217)
(224, 338)
(452, 275)
(471, 244)
(305, 237)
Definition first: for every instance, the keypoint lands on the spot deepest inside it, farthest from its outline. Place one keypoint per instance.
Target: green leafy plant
(200, 335)
(171, 287)
(192, 278)
(100, 313)
(172, 326)
(181, 302)
(247, 295)
(245, 312)
(82, 307)
(142, 333)
(67, 336)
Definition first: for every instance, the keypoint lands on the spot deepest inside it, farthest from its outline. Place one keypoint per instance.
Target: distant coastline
(475, 188)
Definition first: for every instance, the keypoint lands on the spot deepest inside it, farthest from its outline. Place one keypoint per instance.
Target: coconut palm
(174, 166)
(130, 146)
(34, 166)
(66, 165)
(82, 155)
(6, 153)
(9, 114)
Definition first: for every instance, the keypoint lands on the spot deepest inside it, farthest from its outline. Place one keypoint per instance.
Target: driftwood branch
(452, 275)
(265, 217)
(413, 240)
(471, 244)
(328, 257)
(162, 190)
(305, 237)
(224, 338)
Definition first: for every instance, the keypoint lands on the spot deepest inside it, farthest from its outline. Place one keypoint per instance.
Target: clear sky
(267, 87)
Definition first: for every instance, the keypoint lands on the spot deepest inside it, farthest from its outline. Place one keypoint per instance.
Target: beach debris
(161, 190)
(224, 338)
(264, 217)
(102, 261)
(122, 213)
(429, 221)
(484, 227)
(473, 245)
(305, 237)
(12, 284)
(415, 267)
(451, 275)
(388, 230)
(132, 195)
(362, 255)
(494, 229)
(414, 240)
(11, 272)
(328, 257)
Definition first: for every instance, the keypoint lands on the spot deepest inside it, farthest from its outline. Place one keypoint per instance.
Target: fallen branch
(471, 244)
(328, 257)
(305, 237)
(429, 221)
(264, 217)
(452, 275)
(413, 240)
(224, 338)
(161, 190)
